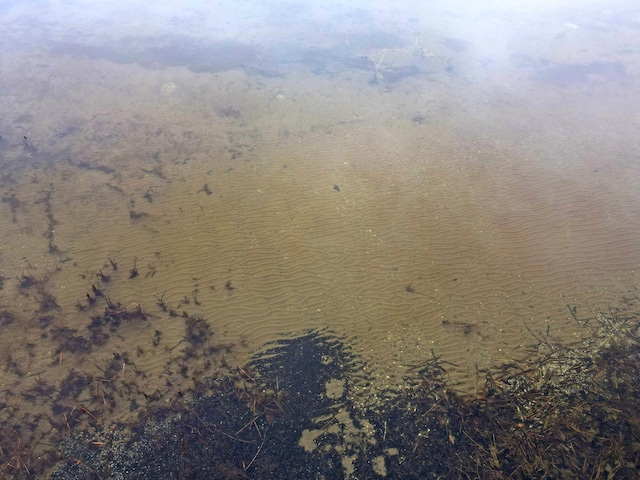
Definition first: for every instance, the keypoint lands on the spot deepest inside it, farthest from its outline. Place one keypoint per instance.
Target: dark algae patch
(568, 412)
(296, 410)
(245, 424)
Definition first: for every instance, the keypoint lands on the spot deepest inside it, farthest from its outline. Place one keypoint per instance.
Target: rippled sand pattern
(271, 206)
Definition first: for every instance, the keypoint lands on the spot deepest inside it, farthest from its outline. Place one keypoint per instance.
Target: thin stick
(247, 467)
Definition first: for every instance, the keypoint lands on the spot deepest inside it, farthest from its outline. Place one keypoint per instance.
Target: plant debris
(296, 411)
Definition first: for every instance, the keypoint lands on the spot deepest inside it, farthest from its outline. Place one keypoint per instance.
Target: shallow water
(446, 179)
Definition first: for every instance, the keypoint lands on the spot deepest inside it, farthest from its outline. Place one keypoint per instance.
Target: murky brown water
(413, 196)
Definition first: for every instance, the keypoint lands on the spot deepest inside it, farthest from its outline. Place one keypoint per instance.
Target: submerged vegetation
(297, 411)
(567, 412)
